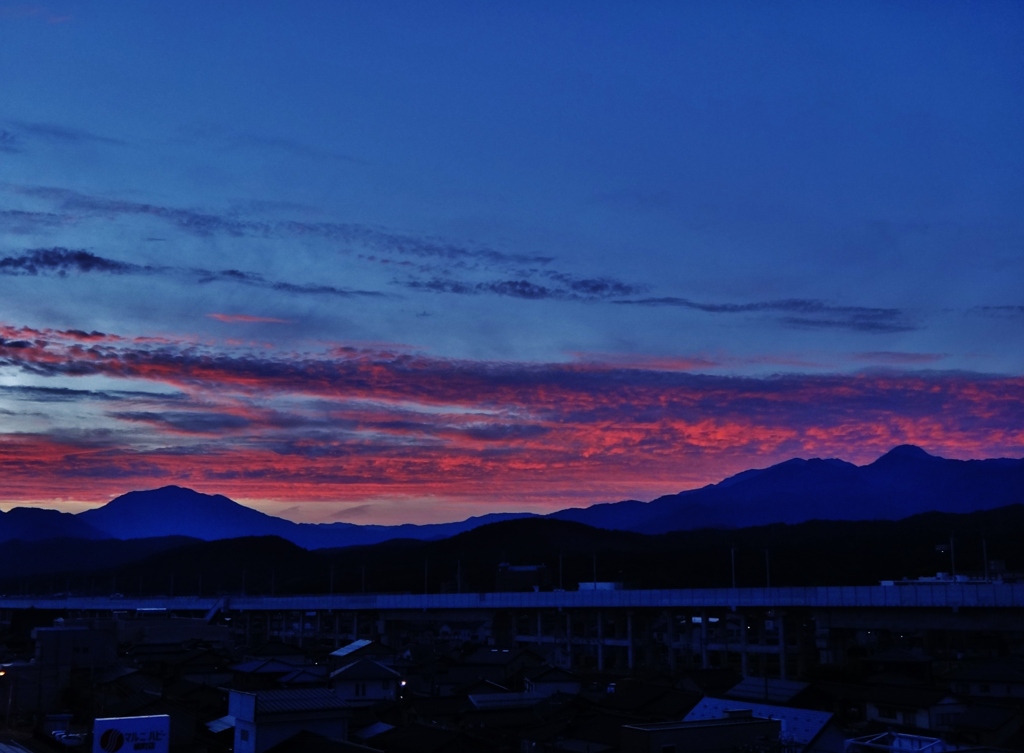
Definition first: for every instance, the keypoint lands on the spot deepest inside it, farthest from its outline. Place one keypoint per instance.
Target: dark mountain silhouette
(903, 482)
(811, 553)
(35, 524)
(176, 511)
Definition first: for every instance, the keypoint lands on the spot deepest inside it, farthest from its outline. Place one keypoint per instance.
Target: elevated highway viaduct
(783, 632)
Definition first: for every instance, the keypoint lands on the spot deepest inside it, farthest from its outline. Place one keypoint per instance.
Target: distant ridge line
(905, 481)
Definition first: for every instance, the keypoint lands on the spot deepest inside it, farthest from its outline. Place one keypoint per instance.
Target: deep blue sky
(768, 190)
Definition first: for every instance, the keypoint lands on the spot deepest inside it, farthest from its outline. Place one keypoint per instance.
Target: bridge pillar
(629, 640)
(568, 639)
(782, 645)
(704, 662)
(670, 618)
(744, 668)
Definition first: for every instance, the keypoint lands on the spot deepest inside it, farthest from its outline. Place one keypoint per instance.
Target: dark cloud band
(800, 313)
(62, 261)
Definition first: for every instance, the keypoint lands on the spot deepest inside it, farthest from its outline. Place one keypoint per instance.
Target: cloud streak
(799, 313)
(9, 142)
(247, 319)
(566, 288)
(59, 134)
(208, 224)
(62, 261)
(446, 267)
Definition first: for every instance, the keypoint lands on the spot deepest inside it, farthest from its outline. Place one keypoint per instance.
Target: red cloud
(354, 424)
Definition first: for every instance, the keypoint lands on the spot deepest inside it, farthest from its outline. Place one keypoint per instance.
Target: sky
(386, 262)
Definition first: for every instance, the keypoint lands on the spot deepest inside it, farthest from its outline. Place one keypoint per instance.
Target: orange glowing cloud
(354, 424)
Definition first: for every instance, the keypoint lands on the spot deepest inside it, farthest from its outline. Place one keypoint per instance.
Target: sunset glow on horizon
(344, 425)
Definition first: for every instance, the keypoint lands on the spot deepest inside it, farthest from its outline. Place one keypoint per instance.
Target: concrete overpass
(767, 631)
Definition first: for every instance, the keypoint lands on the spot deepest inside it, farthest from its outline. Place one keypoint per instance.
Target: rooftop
(798, 725)
(364, 669)
(767, 689)
(351, 647)
(297, 699)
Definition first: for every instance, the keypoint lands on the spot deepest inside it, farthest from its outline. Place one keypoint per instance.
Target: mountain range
(905, 481)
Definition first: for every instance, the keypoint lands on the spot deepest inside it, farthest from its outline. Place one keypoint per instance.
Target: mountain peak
(177, 510)
(908, 451)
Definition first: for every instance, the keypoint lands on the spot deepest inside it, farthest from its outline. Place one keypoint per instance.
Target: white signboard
(130, 733)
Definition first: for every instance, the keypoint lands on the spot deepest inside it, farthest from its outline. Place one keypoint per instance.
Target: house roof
(637, 697)
(989, 672)
(303, 676)
(113, 674)
(276, 648)
(377, 728)
(364, 669)
(297, 699)
(767, 689)
(423, 738)
(264, 666)
(551, 674)
(494, 656)
(505, 700)
(899, 656)
(799, 726)
(222, 724)
(481, 686)
(906, 695)
(310, 742)
(351, 647)
(988, 718)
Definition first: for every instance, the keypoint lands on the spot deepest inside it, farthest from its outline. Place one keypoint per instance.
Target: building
(704, 736)
(365, 682)
(265, 718)
(800, 729)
